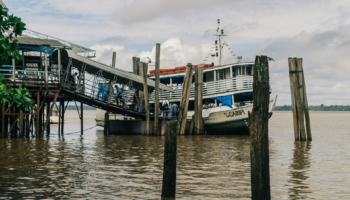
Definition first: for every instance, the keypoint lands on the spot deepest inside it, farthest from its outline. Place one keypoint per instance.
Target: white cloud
(317, 31)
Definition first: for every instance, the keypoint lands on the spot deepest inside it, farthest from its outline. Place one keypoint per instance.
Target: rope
(80, 131)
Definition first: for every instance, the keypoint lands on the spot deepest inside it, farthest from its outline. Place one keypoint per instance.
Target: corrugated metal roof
(93, 67)
(38, 41)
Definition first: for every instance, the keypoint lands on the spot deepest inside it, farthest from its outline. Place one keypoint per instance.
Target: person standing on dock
(165, 107)
(119, 94)
(175, 110)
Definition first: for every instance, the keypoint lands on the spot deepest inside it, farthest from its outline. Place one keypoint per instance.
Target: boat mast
(220, 35)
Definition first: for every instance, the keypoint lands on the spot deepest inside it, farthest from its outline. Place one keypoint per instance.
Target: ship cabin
(230, 85)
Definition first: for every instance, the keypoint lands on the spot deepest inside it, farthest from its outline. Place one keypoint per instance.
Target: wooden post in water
(198, 104)
(169, 169)
(302, 88)
(186, 88)
(299, 100)
(21, 123)
(48, 118)
(3, 121)
(106, 124)
(144, 67)
(81, 118)
(259, 146)
(156, 89)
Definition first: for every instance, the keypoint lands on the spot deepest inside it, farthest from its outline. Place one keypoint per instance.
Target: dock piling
(144, 67)
(259, 146)
(185, 96)
(169, 168)
(198, 104)
(156, 95)
(301, 118)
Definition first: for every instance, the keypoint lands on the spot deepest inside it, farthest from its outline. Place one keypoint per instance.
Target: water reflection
(298, 171)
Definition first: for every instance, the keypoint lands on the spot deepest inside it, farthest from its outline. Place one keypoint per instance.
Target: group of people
(166, 106)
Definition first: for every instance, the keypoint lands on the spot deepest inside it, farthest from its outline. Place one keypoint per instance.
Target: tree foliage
(11, 27)
(19, 96)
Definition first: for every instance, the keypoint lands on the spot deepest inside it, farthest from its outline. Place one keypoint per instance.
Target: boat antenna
(220, 35)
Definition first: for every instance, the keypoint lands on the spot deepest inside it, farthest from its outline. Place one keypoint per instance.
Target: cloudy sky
(316, 30)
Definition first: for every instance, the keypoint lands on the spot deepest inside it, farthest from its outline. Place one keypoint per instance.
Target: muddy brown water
(94, 166)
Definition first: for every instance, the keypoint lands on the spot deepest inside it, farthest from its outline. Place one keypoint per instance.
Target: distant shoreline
(316, 108)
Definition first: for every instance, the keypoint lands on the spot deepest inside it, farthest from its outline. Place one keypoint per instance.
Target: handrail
(231, 85)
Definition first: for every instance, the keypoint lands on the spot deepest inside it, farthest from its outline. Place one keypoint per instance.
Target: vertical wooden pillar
(169, 167)
(144, 68)
(59, 118)
(299, 100)
(302, 88)
(81, 118)
(259, 146)
(48, 118)
(3, 121)
(198, 103)
(186, 88)
(106, 124)
(37, 114)
(156, 89)
(21, 123)
(62, 112)
(114, 56)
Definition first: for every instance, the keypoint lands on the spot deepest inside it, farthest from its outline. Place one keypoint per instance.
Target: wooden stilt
(302, 87)
(259, 146)
(184, 100)
(169, 167)
(82, 118)
(3, 121)
(144, 67)
(156, 96)
(198, 103)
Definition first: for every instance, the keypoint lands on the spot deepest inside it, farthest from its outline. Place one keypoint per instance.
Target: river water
(94, 166)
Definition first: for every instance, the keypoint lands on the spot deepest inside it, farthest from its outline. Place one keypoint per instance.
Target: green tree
(11, 27)
(19, 96)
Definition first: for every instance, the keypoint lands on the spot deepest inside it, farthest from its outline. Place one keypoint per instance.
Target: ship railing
(231, 85)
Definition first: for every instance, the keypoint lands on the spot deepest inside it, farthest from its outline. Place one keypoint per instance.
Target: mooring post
(81, 118)
(2, 121)
(106, 125)
(298, 101)
(169, 168)
(186, 88)
(302, 87)
(63, 112)
(259, 146)
(156, 95)
(21, 123)
(291, 64)
(48, 118)
(144, 67)
(198, 105)
(37, 113)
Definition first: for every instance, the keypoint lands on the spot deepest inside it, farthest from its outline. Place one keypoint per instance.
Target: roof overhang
(94, 67)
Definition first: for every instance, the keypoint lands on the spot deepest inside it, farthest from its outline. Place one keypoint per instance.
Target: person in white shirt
(165, 107)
